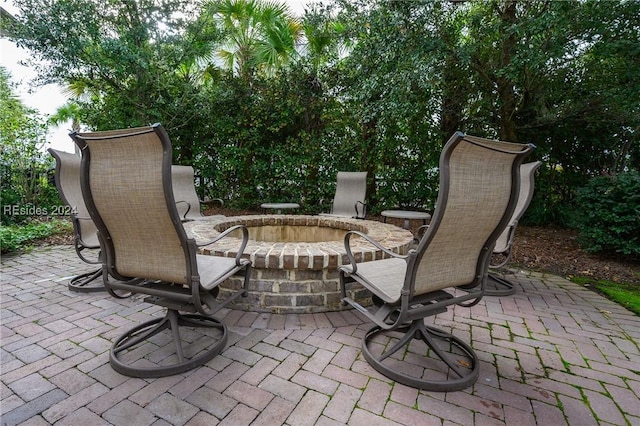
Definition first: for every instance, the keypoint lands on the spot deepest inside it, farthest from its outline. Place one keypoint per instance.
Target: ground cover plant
(14, 238)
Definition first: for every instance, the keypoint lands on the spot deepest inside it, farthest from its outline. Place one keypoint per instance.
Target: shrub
(15, 237)
(609, 219)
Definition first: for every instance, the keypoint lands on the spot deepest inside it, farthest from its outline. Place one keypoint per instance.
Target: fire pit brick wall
(297, 277)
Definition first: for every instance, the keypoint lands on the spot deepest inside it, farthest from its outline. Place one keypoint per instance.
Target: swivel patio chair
(349, 199)
(85, 234)
(127, 186)
(478, 192)
(498, 285)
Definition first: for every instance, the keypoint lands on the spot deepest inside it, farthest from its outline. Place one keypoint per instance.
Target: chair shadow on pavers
(127, 186)
(85, 233)
(350, 196)
(479, 184)
(498, 285)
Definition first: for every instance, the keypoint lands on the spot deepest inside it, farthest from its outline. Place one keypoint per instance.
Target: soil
(557, 251)
(543, 249)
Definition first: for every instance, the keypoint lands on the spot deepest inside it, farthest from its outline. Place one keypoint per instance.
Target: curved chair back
(351, 191)
(68, 183)
(127, 186)
(184, 192)
(527, 184)
(479, 185)
(499, 285)
(85, 233)
(478, 192)
(133, 205)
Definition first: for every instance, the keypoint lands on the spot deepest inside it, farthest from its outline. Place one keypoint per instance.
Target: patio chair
(184, 192)
(85, 233)
(349, 199)
(478, 192)
(499, 286)
(127, 186)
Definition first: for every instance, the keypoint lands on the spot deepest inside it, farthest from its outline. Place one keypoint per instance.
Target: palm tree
(324, 37)
(261, 36)
(69, 111)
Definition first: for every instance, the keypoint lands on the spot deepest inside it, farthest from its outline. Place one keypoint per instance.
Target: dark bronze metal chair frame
(479, 184)
(127, 186)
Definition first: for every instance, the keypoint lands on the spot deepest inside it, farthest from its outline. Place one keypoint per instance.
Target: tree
(390, 83)
(23, 178)
(561, 75)
(259, 36)
(369, 85)
(133, 60)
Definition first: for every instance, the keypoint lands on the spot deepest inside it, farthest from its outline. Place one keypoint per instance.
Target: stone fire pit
(295, 258)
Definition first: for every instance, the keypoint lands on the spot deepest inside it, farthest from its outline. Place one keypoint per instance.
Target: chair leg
(85, 283)
(447, 363)
(133, 352)
(502, 287)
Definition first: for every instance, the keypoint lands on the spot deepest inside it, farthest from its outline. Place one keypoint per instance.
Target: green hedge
(609, 214)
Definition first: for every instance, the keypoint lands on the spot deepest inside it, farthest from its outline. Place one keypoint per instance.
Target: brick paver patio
(552, 354)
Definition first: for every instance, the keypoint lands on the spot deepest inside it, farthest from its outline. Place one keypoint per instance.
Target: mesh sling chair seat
(478, 192)
(85, 233)
(349, 198)
(498, 285)
(127, 186)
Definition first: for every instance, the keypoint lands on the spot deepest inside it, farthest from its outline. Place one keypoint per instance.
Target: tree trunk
(505, 87)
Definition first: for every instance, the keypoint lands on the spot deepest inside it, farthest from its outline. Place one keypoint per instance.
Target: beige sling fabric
(131, 199)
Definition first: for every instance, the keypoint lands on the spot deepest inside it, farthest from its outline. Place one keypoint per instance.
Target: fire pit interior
(295, 233)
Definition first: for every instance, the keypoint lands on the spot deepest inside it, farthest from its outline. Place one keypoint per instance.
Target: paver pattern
(552, 354)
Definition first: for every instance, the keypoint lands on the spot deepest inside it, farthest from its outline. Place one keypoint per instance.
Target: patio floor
(552, 354)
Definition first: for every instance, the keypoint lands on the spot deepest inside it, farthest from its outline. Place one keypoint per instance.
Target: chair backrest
(184, 192)
(527, 183)
(67, 179)
(478, 192)
(126, 183)
(351, 191)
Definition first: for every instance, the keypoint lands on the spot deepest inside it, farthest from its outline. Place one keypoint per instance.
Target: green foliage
(388, 84)
(627, 295)
(23, 165)
(369, 85)
(18, 237)
(126, 63)
(610, 214)
(260, 36)
(282, 140)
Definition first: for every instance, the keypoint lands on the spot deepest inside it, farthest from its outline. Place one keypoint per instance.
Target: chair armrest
(364, 210)
(421, 231)
(80, 242)
(352, 258)
(243, 244)
(184, 217)
(210, 201)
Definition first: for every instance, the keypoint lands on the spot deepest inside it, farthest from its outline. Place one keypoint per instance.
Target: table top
(406, 214)
(280, 205)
